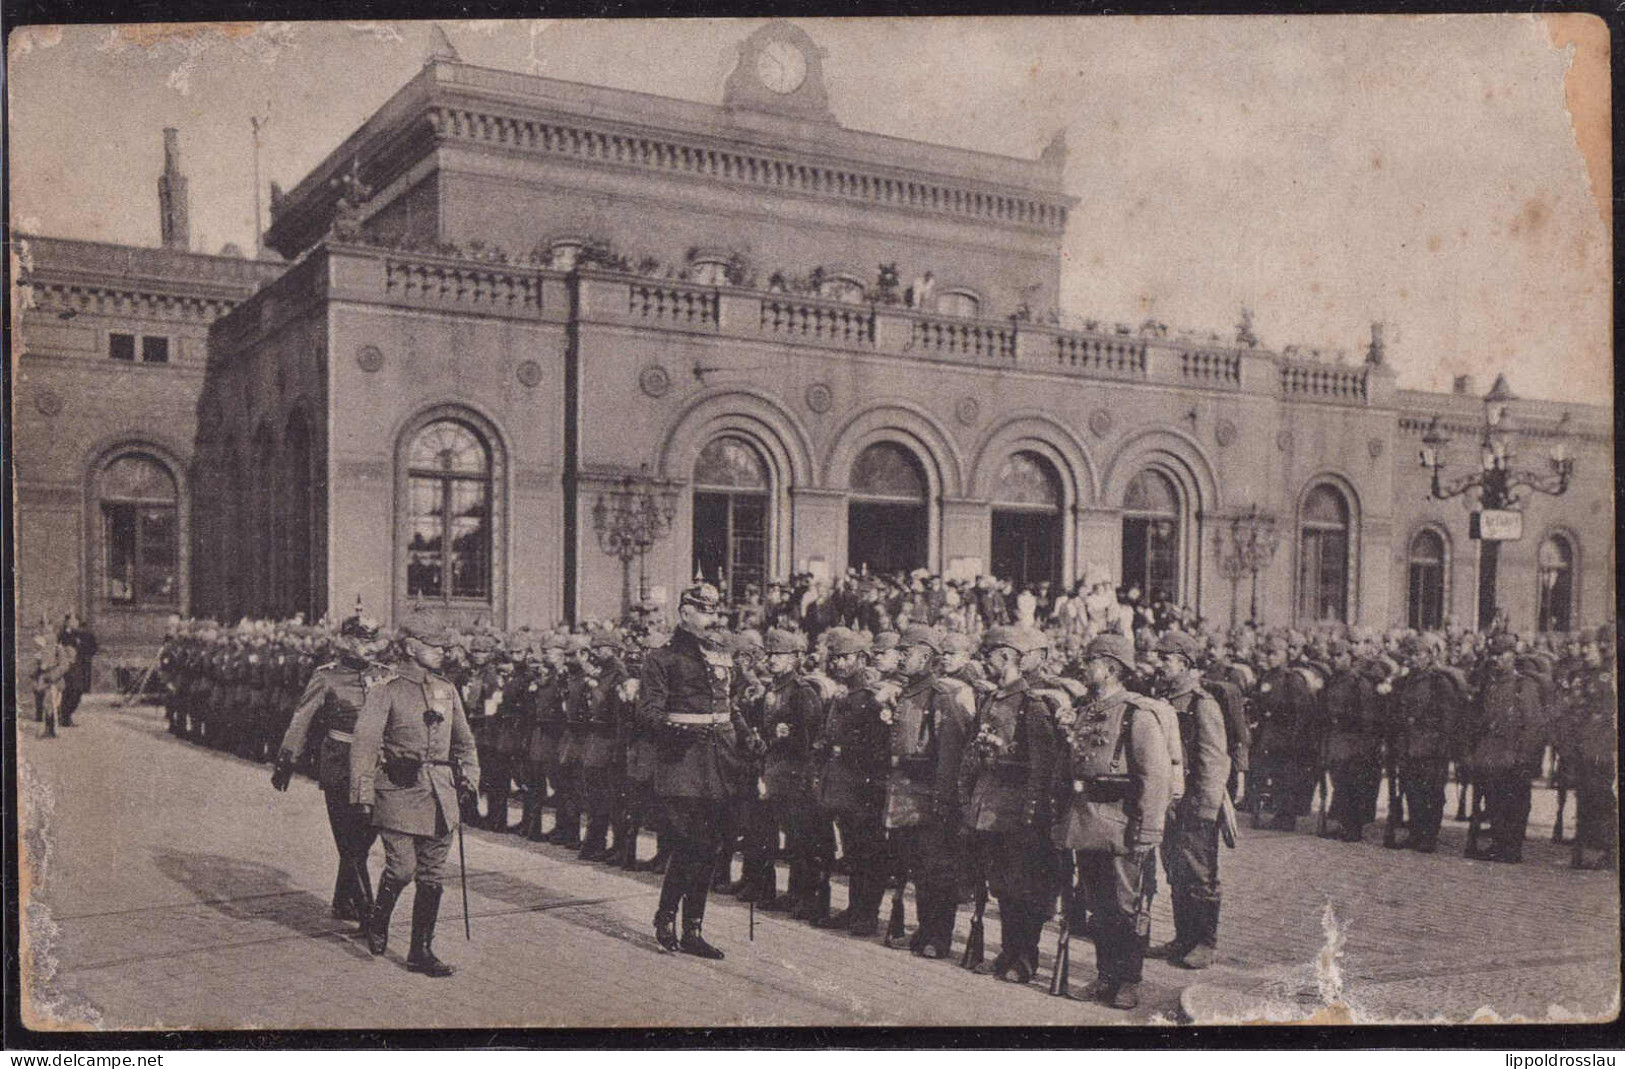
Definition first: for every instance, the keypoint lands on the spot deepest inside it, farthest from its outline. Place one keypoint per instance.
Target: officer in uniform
(330, 704)
(1005, 793)
(642, 758)
(792, 718)
(1507, 756)
(683, 700)
(959, 661)
(482, 686)
(1118, 786)
(413, 756)
(929, 728)
(1352, 747)
(1428, 728)
(577, 691)
(853, 777)
(1190, 845)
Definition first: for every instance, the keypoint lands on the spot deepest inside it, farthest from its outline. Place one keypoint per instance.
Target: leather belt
(687, 719)
(341, 736)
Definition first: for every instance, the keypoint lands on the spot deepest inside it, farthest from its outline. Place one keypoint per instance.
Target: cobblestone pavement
(171, 887)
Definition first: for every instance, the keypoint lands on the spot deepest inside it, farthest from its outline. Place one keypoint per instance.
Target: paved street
(171, 887)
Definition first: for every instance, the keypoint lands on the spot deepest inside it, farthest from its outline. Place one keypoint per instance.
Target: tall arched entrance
(887, 523)
(1151, 532)
(1027, 521)
(732, 495)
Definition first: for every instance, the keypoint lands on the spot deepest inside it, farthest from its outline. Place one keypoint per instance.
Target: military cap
(425, 628)
(1410, 645)
(886, 640)
(1177, 642)
(1503, 642)
(1116, 647)
(779, 640)
(958, 642)
(841, 641)
(702, 596)
(360, 627)
(606, 638)
(577, 643)
(747, 641)
(919, 635)
(483, 642)
(1020, 639)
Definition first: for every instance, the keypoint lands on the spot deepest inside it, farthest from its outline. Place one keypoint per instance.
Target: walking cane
(753, 920)
(462, 863)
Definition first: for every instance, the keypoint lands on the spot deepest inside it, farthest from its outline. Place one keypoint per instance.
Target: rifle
(1475, 822)
(1561, 781)
(1063, 944)
(140, 685)
(974, 950)
(1396, 804)
(1463, 783)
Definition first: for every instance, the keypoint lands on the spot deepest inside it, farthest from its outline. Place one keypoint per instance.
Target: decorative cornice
(63, 297)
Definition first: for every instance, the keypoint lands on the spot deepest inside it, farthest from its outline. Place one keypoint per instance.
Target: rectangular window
(121, 347)
(155, 350)
(141, 553)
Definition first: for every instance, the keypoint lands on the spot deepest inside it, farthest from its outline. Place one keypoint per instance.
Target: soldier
(534, 686)
(1230, 681)
(330, 704)
(577, 692)
(1190, 845)
(413, 756)
(53, 661)
(1427, 729)
(1005, 794)
(853, 775)
(683, 700)
(1118, 785)
(929, 729)
(1507, 755)
(549, 739)
(603, 757)
(81, 643)
(1596, 753)
(1352, 748)
(958, 661)
(792, 718)
(642, 758)
(1283, 753)
(481, 685)
(758, 826)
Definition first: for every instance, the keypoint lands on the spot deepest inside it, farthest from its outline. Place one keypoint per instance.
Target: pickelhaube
(920, 635)
(841, 641)
(1112, 646)
(779, 640)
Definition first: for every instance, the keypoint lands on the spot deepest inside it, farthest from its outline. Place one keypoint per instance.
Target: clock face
(781, 67)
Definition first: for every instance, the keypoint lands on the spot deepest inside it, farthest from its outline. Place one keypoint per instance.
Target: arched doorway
(1426, 573)
(1151, 533)
(1323, 557)
(1556, 561)
(140, 533)
(732, 495)
(1027, 527)
(887, 522)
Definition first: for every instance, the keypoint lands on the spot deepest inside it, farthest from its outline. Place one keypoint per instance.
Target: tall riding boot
(496, 813)
(342, 906)
(378, 924)
(425, 911)
(593, 847)
(626, 844)
(360, 886)
(1205, 933)
(530, 823)
(693, 943)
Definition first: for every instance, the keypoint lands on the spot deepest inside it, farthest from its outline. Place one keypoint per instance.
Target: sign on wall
(1496, 525)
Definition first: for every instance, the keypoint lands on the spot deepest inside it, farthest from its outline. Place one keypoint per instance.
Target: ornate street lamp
(628, 521)
(1254, 538)
(1497, 483)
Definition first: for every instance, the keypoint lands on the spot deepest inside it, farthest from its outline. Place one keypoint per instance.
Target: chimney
(172, 206)
(1463, 385)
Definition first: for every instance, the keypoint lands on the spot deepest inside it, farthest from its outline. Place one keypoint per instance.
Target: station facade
(512, 306)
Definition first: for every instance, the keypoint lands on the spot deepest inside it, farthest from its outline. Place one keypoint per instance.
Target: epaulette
(376, 674)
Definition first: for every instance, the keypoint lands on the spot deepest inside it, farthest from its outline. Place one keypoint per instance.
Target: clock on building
(781, 66)
(780, 70)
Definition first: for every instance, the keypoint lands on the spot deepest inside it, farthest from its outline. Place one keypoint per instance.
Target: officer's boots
(496, 811)
(530, 821)
(593, 847)
(693, 943)
(425, 912)
(666, 931)
(377, 927)
(1205, 935)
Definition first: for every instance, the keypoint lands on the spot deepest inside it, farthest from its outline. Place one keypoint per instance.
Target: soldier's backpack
(1087, 765)
(1233, 706)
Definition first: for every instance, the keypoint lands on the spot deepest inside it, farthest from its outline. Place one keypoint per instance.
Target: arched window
(1426, 572)
(731, 496)
(886, 518)
(140, 552)
(264, 524)
(958, 303)
(1323, 557)
(1556, 561)
(1027, 521)
(297, 513)
(1151, 512)
(448, 548)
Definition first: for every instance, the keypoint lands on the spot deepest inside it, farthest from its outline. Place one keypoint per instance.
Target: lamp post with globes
(1497, 482)
(628, 521)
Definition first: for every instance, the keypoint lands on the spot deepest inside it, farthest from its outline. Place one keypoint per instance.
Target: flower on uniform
(782, 731)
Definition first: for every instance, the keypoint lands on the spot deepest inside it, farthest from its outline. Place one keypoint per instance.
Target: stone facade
(513, 294)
